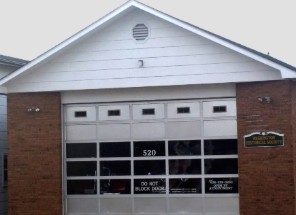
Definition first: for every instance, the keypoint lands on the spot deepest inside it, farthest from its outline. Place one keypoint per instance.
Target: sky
(31, 27)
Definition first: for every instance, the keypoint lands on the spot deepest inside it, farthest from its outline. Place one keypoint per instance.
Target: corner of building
(266, 174)
(35, 174)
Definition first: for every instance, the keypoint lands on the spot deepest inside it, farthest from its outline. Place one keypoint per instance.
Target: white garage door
(176, 157)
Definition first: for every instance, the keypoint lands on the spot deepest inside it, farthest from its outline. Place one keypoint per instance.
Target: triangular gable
(286, 71)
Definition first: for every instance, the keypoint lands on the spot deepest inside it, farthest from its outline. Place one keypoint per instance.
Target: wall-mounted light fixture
(265, 99)
(141, 63)
(33, 109)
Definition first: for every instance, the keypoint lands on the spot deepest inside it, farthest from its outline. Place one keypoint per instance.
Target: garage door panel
(150, 205)
(216, 128)
(81, 132)
(219, 108)
(224, 205)
(183, 110)
(80, 114)
(221, 213)
(114, 112)
(148, 111)
(148, 130)
(183, 130)
(115, 206)
(114, 132)
(82, 205)
(186, 205)
(183, 213)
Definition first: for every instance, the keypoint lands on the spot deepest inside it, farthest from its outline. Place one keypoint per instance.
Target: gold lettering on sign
(266, 139)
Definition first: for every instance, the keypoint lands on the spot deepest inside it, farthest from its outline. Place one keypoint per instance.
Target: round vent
(140, 32)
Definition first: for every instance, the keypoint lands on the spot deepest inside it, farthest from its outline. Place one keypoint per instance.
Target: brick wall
(293, 119)
(266, 174)
(34, 155)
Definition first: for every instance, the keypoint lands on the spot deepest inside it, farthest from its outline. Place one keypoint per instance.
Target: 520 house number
(149, 153)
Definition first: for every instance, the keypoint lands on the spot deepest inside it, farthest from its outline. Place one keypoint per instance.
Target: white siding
(148, 93)
(3, 129)
(4, 70)
(3, 149)
(108, 58)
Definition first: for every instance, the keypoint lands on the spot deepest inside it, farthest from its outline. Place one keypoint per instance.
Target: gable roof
(287, 71)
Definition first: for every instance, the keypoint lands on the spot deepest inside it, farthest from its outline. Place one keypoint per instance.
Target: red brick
(34, 156)
(266, 175)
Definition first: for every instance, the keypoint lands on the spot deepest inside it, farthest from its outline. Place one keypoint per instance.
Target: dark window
(185, 185)
(184, 147)
(220, 147)
(149, 186)
(82, 168)
(149, 167)
(115, 186)
(113, 168)
(185, 166)
(221, 166)
(79, 187)
(81, 150)
(113, 112)
(80, 114)
(115, 149)
(219, 109)
(182, 110)
(5, 170)
(148, 111)
(149, 148)
(221, 185)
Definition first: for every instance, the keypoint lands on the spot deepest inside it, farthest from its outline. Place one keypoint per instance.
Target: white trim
(3, 90)
(285, 72)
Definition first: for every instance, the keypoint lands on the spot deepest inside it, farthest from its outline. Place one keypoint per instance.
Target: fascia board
(287, 73)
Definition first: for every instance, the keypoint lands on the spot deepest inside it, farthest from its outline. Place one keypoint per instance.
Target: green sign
(264, 139)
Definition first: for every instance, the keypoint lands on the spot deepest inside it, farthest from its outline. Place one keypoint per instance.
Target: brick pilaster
(34, 155)
(266, 174)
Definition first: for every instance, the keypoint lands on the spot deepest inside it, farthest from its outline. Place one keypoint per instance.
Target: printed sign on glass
(221, 185)
(185, 185)
(150, 186)
(149, 148)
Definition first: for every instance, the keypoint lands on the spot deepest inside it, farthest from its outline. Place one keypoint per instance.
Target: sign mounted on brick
(264, 139)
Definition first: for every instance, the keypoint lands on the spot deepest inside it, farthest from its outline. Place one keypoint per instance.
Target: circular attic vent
(140, 32)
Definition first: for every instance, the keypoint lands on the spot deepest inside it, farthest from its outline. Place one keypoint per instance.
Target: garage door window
(153, 167)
